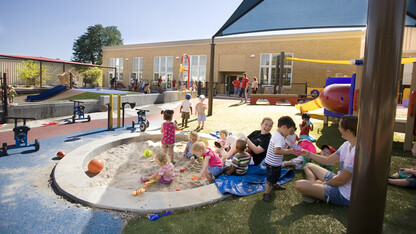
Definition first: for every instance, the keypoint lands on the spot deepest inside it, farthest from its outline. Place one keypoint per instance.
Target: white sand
(125, 164)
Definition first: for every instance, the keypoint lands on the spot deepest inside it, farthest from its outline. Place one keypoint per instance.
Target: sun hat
(201, 96)
(329, 147)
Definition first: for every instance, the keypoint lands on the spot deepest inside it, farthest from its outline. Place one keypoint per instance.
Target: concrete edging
(71, 180)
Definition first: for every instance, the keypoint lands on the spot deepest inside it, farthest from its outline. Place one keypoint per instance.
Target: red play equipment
(336, 97)
(182, 68)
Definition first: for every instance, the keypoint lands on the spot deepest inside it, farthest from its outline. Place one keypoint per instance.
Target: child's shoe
(278, 187)
(267, 197)
(144, 179)
(308, 199)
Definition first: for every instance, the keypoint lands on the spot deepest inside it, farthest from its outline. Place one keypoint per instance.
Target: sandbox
(112, 188)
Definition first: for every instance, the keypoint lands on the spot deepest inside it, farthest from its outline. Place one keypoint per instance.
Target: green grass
(85, 95)
(286, 213)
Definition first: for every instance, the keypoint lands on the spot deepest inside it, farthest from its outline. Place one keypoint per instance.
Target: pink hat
(307, 145)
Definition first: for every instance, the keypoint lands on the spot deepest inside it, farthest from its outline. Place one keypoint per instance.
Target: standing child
(240, 161)
(274, 155)
(193, 137)
(186, 110)
(11, 93)
(166, 172)
(305, 126)
(200, 111)
(212, 162)
(236, 84)
(168, 133)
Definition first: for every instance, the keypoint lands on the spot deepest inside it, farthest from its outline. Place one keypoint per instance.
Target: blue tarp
(250, 183)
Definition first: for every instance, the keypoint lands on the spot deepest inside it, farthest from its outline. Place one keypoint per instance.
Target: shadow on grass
(260, 215)
(330, 135)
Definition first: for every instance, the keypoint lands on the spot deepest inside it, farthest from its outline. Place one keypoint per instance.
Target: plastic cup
(297, 150)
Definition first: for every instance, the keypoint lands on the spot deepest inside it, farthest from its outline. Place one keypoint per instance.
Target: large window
(163, 67)
(268, 69)
(137, 68)
(118, 63)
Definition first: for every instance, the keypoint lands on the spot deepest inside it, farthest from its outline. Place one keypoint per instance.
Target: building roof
(49, 60)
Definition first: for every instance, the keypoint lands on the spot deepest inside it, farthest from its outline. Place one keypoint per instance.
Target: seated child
(305, 126)
(290, 140)
(193, 137)
(405, 177)
(239, 163)
(298, 162)
(166, 172)
(326, 150)
(212, 162)
(226, 141)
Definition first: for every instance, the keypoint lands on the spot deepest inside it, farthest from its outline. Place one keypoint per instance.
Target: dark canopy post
(211, 78)
(382, 56)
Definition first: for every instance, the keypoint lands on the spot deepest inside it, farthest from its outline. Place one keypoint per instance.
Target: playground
(32, 199)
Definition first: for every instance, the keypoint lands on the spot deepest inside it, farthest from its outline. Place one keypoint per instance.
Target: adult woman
(254, 85)
(324, 185)
(257, 142)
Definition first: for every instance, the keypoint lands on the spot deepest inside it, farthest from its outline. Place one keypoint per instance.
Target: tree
(88, 47)
(95, 73)
(30, 72)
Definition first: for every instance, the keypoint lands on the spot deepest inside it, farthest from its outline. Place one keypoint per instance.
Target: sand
(125, 164)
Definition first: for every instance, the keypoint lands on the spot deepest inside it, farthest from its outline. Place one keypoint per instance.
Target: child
(166, 172)
(200, 111)
(274, 155)
(193, 137)
(291, 139)
(212, 162)
(186, 110)
(11, 93)
(226, 141)
(326, 150)
(168, 133)
(240, 161)
(405, 177)
(305, 126)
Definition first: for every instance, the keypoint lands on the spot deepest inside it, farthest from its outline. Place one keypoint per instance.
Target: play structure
(66, 78)
(142, 121)
(20, 136)
(79, 111)
(338, 98)
(47, 94)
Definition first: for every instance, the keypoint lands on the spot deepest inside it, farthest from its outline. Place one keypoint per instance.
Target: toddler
(11, 93)
(193, 137)
(226, 140)
(200, 111)
(326, 150)
(274, 155)
(168, 133)
(240, 161)
(305, 126)
(186, 110)
(405, 177)
(166, 172)
(212, 162)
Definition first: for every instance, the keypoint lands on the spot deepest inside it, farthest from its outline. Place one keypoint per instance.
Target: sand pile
(125, 164)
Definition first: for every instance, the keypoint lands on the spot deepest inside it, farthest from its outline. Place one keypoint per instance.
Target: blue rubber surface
(28, 203)
(110, 91)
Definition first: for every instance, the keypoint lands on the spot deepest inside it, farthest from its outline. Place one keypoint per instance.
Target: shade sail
(270, 15)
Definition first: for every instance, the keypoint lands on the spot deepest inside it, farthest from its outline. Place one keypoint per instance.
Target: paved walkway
(28, 201)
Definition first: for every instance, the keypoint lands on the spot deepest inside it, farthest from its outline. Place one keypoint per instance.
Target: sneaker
(267, 197)
(202, 127)
(197, 128)
(308, 199)
(144, 179)
(278, 187)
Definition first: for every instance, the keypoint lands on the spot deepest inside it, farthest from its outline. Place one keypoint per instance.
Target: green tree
(30, 72)
(95, 74)
(88, 47)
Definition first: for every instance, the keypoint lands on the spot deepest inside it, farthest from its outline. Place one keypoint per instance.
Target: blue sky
(48, 28)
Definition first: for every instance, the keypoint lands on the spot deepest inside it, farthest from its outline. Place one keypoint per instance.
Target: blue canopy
(270, 15)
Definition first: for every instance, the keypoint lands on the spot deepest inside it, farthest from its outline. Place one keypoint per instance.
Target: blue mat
(250, 183)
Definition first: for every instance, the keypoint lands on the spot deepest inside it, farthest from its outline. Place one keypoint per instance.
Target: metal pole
(5, 111)
(282, 64)
(276, 74)
(40, 75)
(383, 50)
(211, 79)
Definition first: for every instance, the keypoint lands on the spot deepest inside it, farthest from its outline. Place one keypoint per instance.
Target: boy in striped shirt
(240, 161)
(275, 153)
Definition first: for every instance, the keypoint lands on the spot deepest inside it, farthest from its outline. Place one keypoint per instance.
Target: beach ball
(95, 166)
(147, 153)
(60, 154)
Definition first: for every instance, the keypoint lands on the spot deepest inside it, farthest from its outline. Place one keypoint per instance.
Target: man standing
(244, 87)
(236, 84)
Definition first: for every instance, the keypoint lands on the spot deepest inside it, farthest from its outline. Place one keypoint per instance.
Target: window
(268, 69)
(163, 67)
(198, 67)
(138, 68)
(118, 63)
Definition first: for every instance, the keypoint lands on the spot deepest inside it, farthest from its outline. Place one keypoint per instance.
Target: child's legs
(171, 155)
(314, 172)
(310, 189)
(288, 164)
(203, 122)
(273, 174)
(164, 148)
(399, 182)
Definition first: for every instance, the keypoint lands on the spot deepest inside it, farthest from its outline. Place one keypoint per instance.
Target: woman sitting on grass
(405, 177)
(321, 184)
(257, 143)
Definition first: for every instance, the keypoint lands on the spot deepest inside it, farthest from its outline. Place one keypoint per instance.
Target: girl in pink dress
(168, 133)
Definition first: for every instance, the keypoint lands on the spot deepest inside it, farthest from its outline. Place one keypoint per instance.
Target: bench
(273, 98)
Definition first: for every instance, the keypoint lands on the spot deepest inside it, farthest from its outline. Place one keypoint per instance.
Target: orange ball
(60, 154)
(95, 166)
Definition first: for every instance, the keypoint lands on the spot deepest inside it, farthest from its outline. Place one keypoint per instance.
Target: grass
(286, 213)
(85, 95)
